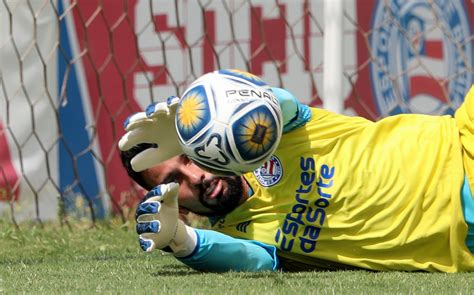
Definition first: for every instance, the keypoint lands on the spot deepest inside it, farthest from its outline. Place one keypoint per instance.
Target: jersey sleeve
(295, 114)
(217, 252)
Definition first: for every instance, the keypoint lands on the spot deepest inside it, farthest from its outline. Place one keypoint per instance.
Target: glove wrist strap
(185, 240)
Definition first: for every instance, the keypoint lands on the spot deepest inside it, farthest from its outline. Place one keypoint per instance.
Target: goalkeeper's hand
(155, 125)
(158, 224)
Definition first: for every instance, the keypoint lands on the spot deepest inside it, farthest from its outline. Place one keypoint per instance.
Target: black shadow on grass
(175, 270)
(183, 270)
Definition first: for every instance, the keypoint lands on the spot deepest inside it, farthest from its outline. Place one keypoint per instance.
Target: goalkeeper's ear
(126, 158)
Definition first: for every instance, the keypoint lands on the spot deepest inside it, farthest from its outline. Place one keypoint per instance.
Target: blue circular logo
(422, 56)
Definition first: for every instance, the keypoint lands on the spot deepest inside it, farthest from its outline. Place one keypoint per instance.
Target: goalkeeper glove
(158, 224)
(156, 125)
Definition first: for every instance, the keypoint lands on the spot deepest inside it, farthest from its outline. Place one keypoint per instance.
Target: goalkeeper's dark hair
(127, 156)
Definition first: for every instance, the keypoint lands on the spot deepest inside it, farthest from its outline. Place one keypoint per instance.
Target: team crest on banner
(270, 172)
(422, 54)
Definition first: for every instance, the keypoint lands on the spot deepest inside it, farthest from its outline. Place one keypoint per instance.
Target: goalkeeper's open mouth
(221, 194)
(214, 189)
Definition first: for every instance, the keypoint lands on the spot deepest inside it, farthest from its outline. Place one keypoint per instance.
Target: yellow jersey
(465, 120)
(345, 190)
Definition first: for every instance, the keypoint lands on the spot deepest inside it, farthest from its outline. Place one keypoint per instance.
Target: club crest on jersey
(270, 172)
(421, 56)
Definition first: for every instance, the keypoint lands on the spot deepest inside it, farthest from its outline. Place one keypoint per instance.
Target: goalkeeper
(346, 193)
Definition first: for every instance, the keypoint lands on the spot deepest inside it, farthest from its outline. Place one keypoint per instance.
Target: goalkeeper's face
(200, 192)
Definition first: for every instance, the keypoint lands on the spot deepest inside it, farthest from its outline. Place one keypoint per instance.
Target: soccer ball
(229, 122)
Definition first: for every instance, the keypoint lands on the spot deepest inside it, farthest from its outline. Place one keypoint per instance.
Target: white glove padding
(158, 224)
(156, 125)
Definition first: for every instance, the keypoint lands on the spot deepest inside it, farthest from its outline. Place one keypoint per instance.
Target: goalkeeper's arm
(218, 252)
(159, 227)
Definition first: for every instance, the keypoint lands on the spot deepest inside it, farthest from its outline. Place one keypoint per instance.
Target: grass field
(107, 259)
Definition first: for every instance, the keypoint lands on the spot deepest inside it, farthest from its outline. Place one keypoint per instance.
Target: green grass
(107, 259)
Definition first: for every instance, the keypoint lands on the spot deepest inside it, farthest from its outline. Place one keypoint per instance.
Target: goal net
(72, 71)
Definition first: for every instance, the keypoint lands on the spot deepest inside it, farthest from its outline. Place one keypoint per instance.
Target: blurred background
(71, 71)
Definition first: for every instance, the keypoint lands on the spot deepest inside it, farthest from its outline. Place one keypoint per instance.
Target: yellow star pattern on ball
(192, 111)
(256, 133)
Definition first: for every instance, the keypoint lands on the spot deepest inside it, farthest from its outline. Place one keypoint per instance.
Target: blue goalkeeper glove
(156, 125)
(158, 224)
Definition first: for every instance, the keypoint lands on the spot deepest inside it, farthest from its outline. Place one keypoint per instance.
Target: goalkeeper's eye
(172, 177)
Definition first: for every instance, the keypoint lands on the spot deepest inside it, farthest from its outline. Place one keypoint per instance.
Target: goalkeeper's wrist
(184, 241)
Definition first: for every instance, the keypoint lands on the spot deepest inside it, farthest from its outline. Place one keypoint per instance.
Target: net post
(333, 56)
